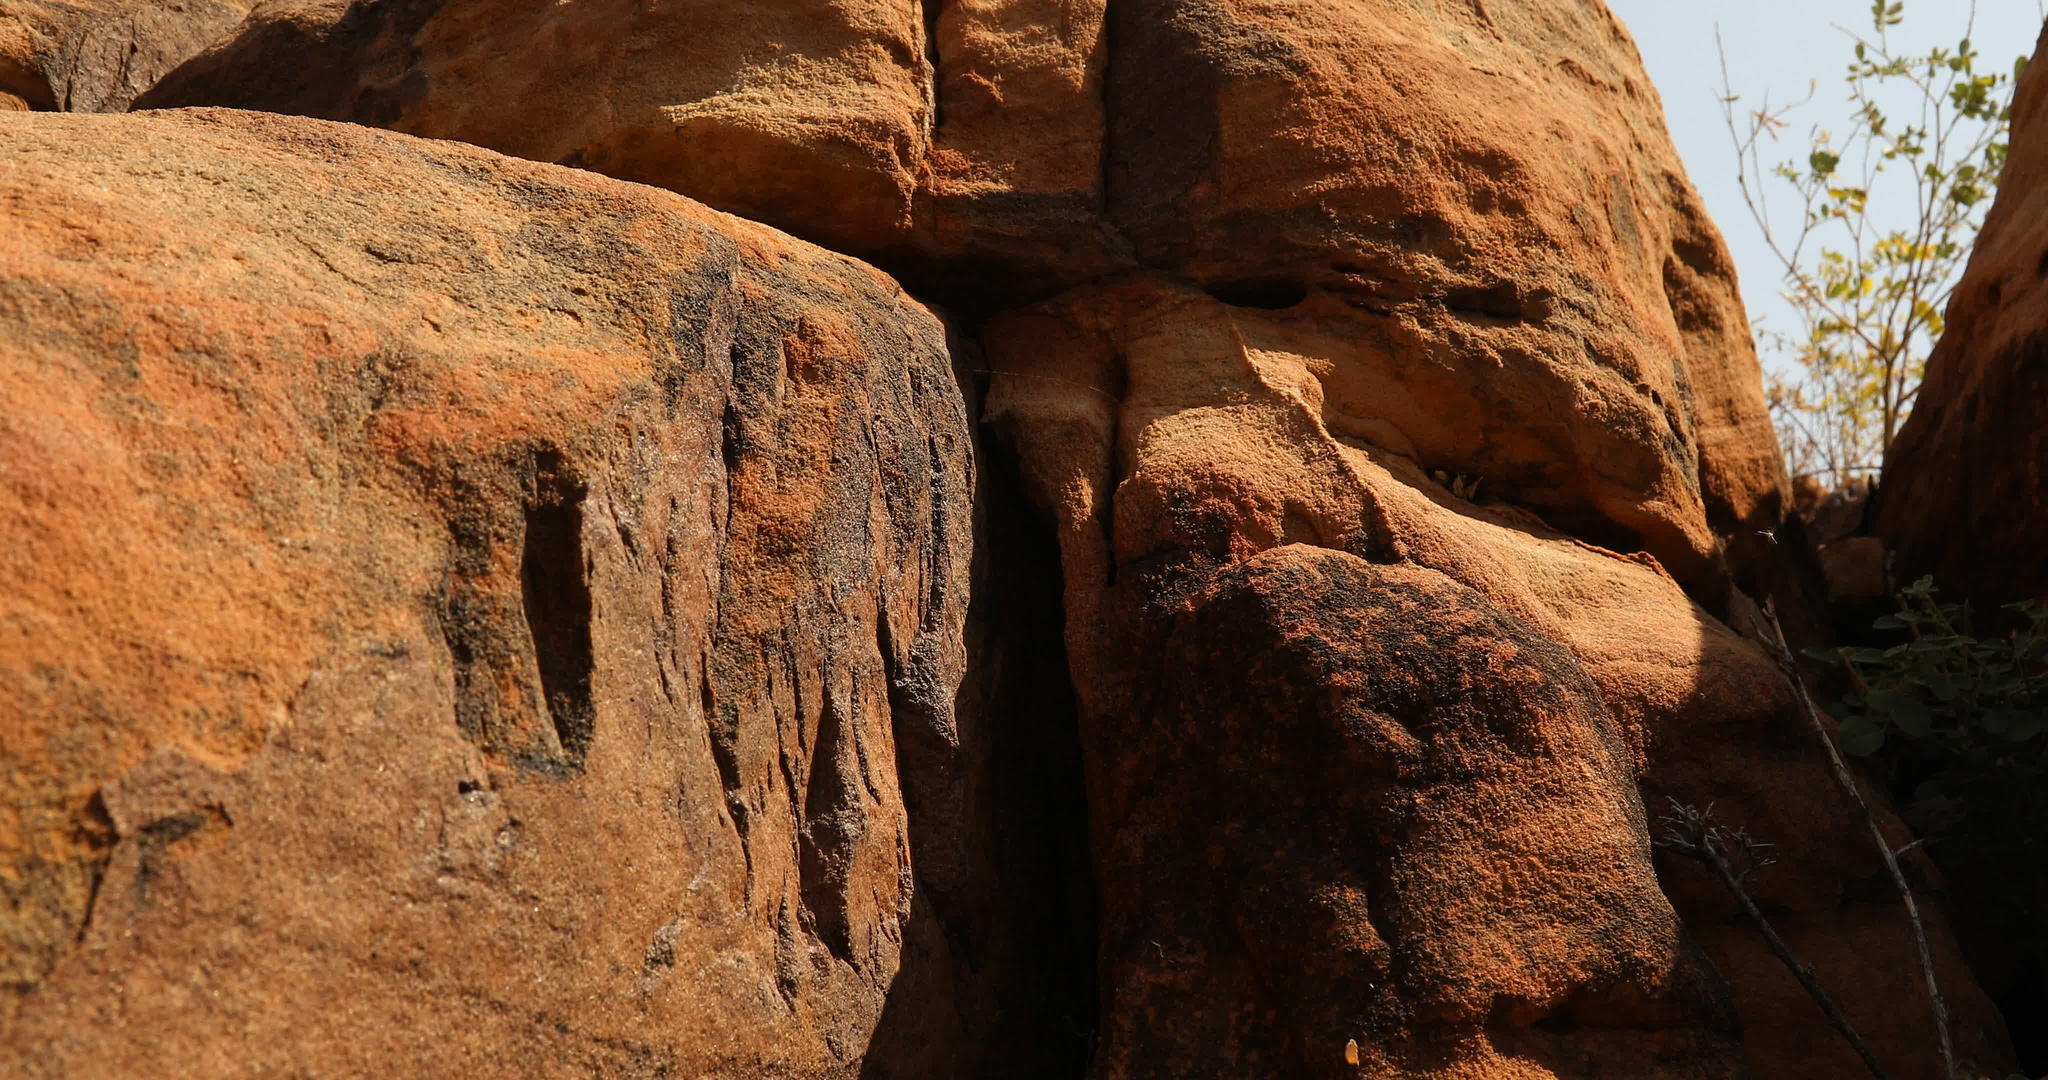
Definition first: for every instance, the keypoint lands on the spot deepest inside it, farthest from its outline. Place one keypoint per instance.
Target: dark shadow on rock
(998, 975)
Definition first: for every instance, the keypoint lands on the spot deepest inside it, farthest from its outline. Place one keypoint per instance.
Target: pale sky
(1778, 46)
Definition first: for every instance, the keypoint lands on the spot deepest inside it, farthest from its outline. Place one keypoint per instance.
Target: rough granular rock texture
(97, 55)
(1493, 179)
(460, 613)
(1965, 491)
(1180, 441)
(1385, 879)
(810, 116)
(1385, 391)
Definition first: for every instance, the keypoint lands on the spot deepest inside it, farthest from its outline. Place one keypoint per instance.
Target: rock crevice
(1237, 630)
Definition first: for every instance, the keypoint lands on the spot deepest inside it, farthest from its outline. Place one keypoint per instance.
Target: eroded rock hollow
(1241, 612)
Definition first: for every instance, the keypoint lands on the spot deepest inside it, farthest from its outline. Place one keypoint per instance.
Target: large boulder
(1427, 287)
(1496, 183)
(460, 614)
(1965, 490)
(813, 117)
(1432, 712)
(1964, 496)
(1387, 394)
(97, 55)
(963, 137)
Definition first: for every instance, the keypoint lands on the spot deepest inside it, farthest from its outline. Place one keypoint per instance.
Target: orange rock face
(1974, 452)
(97, 55)
(460, 612)
(1964, 495)
(1554, 296)
(1366, 382)
(814, 117)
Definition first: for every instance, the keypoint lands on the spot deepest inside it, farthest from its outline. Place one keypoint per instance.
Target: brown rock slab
(1387, 393)
(98, 55)
(1333, 812)
(1495, 180)
(811, 117)
(1965, 489)
(461, 613)
(1855, 571)
(1188, 449)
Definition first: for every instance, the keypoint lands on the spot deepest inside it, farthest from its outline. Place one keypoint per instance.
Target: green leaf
(1941, 684)
(1859, 737)
(2026, 726)
(1904, 710)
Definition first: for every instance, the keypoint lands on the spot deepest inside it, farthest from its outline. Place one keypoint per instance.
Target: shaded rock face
(1964, 493)
(475, 596)
(1974, 453)
(97, 55)
(1401, 759)
(1182, 441)
(1370, 541)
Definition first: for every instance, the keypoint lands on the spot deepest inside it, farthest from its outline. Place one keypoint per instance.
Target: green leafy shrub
(1891, 198)
(1958, 725)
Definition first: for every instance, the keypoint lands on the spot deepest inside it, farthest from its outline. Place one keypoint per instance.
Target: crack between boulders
(931, 10)
(1106, 152)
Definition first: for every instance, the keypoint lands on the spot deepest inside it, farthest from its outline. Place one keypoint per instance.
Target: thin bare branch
(1847, 782)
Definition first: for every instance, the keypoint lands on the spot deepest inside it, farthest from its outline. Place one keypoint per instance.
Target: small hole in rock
(1267, 295)
(1497, 302)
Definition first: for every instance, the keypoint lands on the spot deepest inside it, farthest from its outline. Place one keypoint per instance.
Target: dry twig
(1847, 783)
(1733, 855)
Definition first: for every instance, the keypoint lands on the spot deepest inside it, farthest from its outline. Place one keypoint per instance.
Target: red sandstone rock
(1495, 179)
(813, 117)
(1965, 490)
(97, 55)
(1178, 440)
(1392, 404)
(1964, 494)
(458, 617)
(1355, 805)
(1558, 304)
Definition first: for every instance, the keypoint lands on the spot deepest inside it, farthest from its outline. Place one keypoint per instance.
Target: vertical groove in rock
(555, 594)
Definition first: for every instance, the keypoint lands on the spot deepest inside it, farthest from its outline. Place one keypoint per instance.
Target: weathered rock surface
(1387, 395)
(1964, 494)
(1965, 491)
(1561, 302)
(1186, 449)
(97, 55)
(1385, 879)
(460, 613)
(814, 117)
